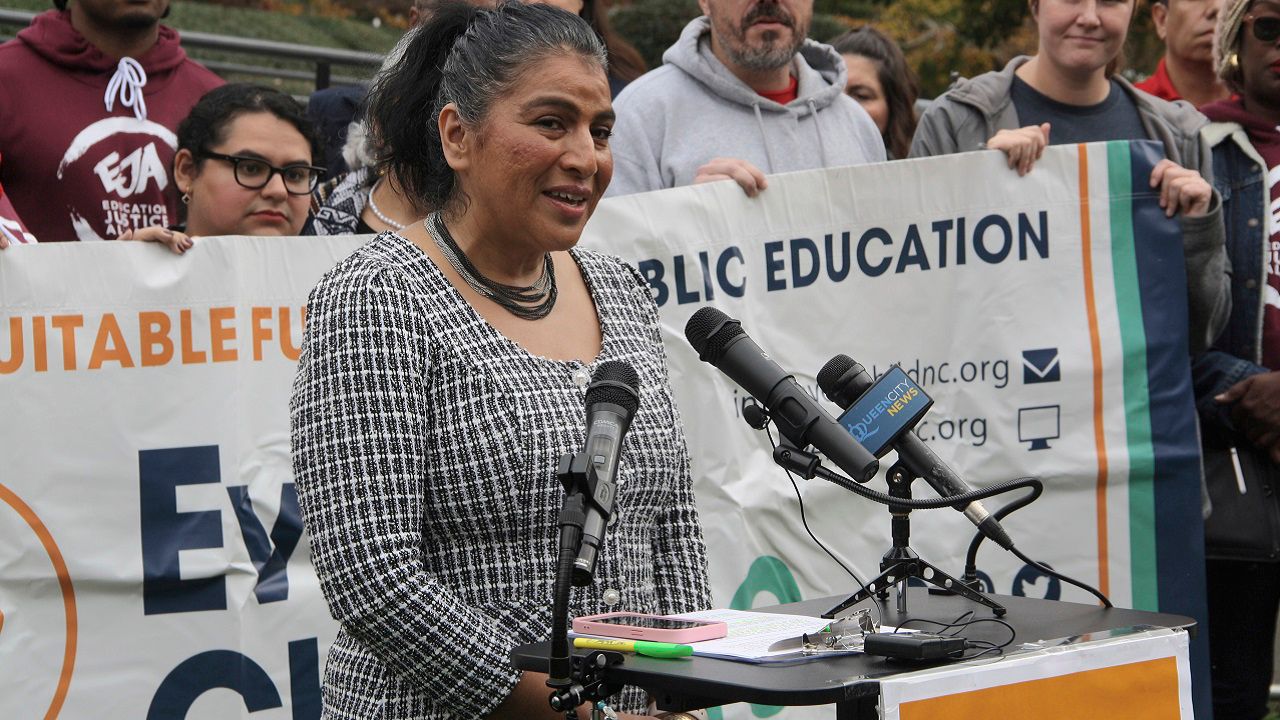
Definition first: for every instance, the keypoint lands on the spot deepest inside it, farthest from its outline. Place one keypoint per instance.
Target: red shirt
(785, 95)
(1159, 84)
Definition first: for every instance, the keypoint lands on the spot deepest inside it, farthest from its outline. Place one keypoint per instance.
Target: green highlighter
(640, 647)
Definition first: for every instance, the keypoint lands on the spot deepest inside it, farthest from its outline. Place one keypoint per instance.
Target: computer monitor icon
(1039, 425)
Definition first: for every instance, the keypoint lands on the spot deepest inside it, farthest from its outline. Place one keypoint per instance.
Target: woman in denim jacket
(1237, 386)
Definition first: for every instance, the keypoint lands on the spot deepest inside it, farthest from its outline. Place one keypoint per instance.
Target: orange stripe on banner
(68, 596)
(1146, 690)
(1095, 347)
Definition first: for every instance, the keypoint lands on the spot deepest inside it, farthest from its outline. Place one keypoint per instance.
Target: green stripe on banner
(1142, 520)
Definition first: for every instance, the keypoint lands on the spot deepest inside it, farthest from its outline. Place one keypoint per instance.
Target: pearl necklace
(373, 207)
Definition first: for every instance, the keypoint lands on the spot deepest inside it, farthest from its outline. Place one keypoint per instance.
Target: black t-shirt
(1115, 118)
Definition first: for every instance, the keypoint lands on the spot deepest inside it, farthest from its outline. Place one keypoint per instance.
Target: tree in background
(942, 39)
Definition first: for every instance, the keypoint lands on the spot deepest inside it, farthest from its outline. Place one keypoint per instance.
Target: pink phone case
(706, 630)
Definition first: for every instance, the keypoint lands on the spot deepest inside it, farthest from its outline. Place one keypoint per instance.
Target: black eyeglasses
(255, 173)
(1266, 28)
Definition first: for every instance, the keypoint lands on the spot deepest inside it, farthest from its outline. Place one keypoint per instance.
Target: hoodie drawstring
(817, 127)
(760, 122)
(128, 82)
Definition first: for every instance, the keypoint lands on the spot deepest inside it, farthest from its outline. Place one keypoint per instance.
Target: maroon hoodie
(11, 226)
(86, 156)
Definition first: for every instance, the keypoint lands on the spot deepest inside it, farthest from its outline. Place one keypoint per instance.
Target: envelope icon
(1040, 366)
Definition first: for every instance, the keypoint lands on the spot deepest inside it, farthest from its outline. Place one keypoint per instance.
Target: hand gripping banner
(1046, 316)
(155, 566)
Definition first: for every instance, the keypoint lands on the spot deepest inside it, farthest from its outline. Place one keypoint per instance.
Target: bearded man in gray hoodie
(741, 94)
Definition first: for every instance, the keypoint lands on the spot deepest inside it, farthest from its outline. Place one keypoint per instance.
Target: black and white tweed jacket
(424, 448)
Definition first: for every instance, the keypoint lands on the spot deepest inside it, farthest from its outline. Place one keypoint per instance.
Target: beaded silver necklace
(529, 302)
(373, 207)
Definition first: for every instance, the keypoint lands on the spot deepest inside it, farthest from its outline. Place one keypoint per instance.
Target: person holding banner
(742, 94)
(1068, 93)
(246, 165)
(94, 162)
(12, 231)
(444, 371)
(1237, 381)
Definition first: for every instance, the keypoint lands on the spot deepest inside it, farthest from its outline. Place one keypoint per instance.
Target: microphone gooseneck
(843, 381)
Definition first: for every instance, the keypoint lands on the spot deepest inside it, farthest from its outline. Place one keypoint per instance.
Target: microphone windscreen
(830, 373)
(709, 332)
(617, 383)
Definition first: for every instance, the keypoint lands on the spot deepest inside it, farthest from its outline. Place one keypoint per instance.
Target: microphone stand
(900, 562)
(575, 680)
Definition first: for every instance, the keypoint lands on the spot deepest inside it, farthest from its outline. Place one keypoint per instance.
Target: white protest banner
(1045, 315)
(154, 563)
(157, 566)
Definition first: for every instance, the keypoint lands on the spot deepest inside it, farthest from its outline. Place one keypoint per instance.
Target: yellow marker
(640, 647)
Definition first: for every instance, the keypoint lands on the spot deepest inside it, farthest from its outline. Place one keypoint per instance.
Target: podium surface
(851, 682)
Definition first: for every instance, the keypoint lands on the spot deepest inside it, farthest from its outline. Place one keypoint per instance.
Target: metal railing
(323, 59)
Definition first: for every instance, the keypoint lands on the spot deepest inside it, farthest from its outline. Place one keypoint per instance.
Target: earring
(1233, 61)
(186, 198)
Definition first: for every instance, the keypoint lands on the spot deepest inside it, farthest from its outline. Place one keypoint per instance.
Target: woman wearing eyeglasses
(247, 163)
(1237, 381)
(1070, 92)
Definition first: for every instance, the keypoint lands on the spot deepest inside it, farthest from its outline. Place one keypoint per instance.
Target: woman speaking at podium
(444, 372)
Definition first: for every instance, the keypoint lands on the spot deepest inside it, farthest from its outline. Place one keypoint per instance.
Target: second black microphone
(721, 341)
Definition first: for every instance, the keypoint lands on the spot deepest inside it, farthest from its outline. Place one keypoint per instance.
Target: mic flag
(844, 381)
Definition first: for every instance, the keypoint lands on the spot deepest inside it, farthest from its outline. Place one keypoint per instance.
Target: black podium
(851, 682)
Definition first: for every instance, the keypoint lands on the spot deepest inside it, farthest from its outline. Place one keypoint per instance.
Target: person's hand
(1181, 190)
(4, 241)
(748, 176)
(174, 240)
(1022, 147)
(1256, 409)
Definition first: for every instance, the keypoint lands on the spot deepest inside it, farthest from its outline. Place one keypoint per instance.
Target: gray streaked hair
(470, 57)
(490, 56)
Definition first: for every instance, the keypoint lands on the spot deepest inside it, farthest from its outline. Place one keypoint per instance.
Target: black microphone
(721, 341)
(843, 381)
(612, 399)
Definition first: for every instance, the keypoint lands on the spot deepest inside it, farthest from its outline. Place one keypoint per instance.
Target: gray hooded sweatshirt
(673, 120)
(972, 111)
